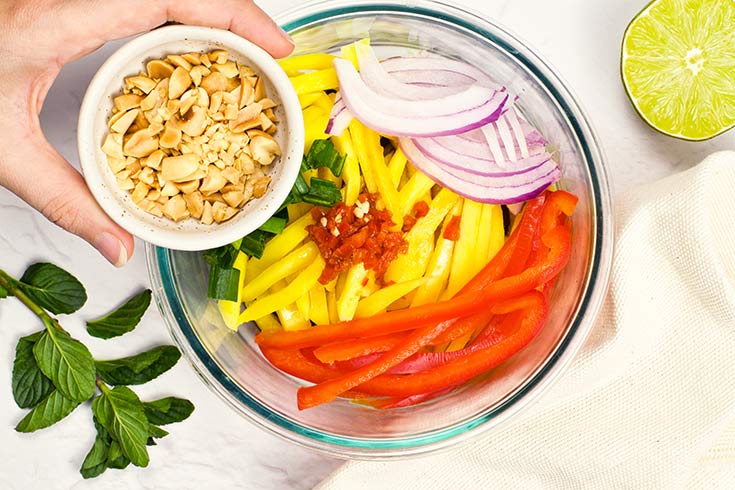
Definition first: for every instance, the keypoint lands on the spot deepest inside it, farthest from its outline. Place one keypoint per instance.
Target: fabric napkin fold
(649, 402)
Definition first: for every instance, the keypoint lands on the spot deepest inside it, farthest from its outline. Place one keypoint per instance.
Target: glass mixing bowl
(232, 366)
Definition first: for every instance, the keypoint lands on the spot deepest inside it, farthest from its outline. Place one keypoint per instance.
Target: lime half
(678, 66)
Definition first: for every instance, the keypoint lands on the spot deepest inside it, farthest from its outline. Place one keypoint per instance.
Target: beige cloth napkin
(649, 402)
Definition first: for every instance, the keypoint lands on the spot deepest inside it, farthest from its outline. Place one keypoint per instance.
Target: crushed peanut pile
(190, 137)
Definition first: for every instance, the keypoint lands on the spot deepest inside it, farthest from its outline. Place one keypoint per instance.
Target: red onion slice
(436, 70)
(339, 118)
(473, 165)
(469, 109)
(379, 79)
(490, 189)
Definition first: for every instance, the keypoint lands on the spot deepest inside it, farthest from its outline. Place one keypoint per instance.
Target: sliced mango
(381, 299)
(349, 296)
(301, 285)
(294, 65)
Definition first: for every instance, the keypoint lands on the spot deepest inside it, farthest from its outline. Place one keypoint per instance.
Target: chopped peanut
(191, 137)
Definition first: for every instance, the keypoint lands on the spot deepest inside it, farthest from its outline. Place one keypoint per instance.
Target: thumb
(38, 174)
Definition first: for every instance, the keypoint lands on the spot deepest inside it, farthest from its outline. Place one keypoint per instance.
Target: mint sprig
(123, 319)
(53, 373)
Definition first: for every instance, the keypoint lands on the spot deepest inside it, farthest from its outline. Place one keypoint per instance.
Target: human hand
(37, 38)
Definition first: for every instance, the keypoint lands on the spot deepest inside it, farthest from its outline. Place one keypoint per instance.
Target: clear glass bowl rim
(184, 335)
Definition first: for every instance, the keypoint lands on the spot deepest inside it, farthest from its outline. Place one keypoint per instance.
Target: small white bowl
(96, 109)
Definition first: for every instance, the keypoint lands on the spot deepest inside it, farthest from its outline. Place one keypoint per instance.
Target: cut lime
(678, 66)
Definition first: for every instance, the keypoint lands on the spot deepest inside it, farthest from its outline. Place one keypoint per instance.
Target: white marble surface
(217, 448)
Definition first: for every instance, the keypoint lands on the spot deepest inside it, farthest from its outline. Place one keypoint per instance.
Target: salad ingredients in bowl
(454, 302)
(403, 284)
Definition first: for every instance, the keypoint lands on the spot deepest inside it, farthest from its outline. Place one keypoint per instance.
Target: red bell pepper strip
(352, 348)
(466, 367)
(327, 391)
(559, 205)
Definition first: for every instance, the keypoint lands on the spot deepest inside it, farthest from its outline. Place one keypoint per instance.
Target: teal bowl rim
(161, 256)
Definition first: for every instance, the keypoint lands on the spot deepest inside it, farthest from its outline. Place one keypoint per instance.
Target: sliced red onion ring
(464, 111)
(472, 164)
(436, 70)
(495, 190)
(377, 78)
(339, 118)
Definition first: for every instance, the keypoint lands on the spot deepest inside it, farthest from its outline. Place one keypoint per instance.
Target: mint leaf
(155, 432)
(30, 385)
(123, 319)
(138, 369)
(120, 411)
(115, 458)
(52, 409)
(67, 362)
(168, 410)
(53, 288)
(96, 461)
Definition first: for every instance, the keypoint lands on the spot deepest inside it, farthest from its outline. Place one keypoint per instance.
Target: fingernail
(112, 249)
(287, 36)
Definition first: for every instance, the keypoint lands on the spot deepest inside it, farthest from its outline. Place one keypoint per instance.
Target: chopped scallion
(223, 283)
(254, 243)
(323, 193)
(274, 225)
(323, 154)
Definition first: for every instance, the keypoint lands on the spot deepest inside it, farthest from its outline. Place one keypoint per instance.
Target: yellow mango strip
(303, 304)
(305, 100)
(292, 263)
(414, 190)
(319, 312)
(381, 299)
(349, 53)
(316, 81)
(465, 263)
(315, 123)
(420, 238)
(360, 135)
(483, 231)
(497, 232)
(383, 179)
(230, 310)
(349, 296)
(297, 210)
(268, 324)
(351, 169)
(371, 286)
(324, 102)
(332, 306)
(396, 166)
(331, 285)
(439, 266)
(293, 65)
(289, 317)
(298, 287)
(279, 246)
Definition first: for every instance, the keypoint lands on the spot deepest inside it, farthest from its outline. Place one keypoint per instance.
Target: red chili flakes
(348, 235)
(408, 223)
(451, 232)
(420, 209)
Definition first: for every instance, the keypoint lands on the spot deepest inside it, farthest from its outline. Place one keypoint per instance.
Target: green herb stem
(11, 286)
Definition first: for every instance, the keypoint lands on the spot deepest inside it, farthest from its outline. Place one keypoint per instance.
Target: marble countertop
(217, 448)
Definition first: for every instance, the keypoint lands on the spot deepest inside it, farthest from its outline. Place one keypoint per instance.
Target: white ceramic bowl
(96, 109)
